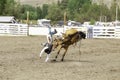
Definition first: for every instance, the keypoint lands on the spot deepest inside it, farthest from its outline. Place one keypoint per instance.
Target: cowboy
(48, 46)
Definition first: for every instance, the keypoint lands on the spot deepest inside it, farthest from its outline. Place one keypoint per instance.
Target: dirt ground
(19, 60)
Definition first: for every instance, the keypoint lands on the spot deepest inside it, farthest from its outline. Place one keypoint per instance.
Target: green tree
(74, 7)
(93, 12)
(76, 4)
(32, 12)
(63, 4)
(55, 13)
(9, 7)
(17, 10)
(2, 6)
(113, 10)
(39, 13)
(44, 10)
(33, 15)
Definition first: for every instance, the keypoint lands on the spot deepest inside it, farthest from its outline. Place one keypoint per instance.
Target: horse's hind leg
(64, 54)
(57, 54)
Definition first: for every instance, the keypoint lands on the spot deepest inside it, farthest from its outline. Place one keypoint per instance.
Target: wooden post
(27, 17)
(65, 23)
(105, 19)
(65, 18)
(28, 22)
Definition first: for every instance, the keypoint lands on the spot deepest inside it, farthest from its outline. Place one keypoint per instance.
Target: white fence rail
(117, 32)
(106, 32)
(13, 29)
(24, 30)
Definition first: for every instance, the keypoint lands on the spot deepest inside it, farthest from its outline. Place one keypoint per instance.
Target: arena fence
(106, 32)
(24, 30)
(13, 29)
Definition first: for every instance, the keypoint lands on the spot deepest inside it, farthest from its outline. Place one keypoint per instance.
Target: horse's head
(82, 34)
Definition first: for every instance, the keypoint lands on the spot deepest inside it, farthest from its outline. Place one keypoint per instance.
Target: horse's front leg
(64, 53)
(57, 53)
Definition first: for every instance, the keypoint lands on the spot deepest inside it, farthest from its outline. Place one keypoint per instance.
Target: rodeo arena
(87, 52)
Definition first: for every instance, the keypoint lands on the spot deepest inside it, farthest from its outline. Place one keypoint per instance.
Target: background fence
(106, 32)
(92, 31)
(13, 29)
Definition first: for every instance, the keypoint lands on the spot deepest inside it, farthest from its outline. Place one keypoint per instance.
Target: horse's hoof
(54, 60)
(62, 60)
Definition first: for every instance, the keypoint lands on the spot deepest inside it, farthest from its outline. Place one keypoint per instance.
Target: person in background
(48, 45)
(69, 23)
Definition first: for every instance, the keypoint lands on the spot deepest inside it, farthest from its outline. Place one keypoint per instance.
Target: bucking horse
(70, 37)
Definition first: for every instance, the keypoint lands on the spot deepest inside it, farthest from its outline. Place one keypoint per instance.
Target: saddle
(69, 32)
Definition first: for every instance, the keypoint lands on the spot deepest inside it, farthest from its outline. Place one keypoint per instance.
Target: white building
(7, 19)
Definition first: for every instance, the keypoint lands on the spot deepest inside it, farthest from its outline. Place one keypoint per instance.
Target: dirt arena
(19, 60)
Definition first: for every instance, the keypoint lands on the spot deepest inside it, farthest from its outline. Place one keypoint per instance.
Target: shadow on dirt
(68, 60)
